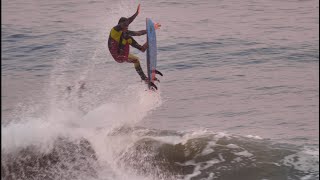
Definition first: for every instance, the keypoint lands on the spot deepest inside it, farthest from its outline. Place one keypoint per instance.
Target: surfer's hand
(157, 26)
(138, 9)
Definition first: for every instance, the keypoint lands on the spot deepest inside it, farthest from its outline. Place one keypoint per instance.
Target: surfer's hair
(122, 19)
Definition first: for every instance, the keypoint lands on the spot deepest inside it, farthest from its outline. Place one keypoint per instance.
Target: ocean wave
(67, 160)
(164, 154)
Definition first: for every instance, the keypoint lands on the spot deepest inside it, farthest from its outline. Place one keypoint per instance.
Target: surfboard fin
(158, 72)
(152, 86)
(156, 79)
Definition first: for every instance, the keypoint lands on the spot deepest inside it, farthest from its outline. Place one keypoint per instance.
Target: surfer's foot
(156, 79)
(146, 80)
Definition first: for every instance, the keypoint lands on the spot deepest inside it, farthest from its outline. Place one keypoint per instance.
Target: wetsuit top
(120, 51)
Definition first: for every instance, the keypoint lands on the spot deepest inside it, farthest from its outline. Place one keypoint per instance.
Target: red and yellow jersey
(114, 48)
(115, 35)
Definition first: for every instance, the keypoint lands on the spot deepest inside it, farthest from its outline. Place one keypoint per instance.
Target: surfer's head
(124, 23)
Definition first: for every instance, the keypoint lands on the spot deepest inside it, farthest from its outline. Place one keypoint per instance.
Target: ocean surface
(239, 99)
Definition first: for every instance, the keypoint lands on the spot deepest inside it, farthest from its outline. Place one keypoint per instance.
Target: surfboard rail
(151, 54)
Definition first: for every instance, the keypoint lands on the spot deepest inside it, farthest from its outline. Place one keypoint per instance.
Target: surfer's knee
(132, 58)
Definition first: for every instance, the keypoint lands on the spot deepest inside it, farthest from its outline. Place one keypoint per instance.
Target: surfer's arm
(130, 19)
(118, 26)
(137, 33)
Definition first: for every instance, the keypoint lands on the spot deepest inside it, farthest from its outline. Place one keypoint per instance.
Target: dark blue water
(239, 98)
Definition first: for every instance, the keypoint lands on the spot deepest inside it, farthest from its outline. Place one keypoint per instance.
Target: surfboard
(151, 53)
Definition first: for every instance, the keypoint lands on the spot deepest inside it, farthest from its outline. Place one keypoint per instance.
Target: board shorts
(125, 57)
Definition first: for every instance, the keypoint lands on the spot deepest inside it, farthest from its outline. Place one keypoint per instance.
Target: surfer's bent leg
(135, 60)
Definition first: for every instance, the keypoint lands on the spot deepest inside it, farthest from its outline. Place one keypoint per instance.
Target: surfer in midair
(120, 39)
